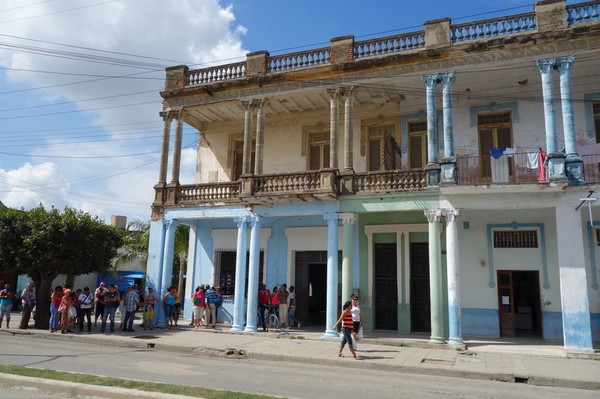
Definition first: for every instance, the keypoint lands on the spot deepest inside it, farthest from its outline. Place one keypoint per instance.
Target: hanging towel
(496, 152)
(510, 151)
(533, 158)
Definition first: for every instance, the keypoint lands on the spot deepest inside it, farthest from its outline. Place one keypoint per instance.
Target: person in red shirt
(264, 301)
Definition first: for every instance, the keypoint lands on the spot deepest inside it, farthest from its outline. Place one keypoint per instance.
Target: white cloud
(165, 33)
(29, 186)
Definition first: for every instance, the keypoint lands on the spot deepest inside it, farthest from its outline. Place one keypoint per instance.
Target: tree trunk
(43, 286)
(180, 282)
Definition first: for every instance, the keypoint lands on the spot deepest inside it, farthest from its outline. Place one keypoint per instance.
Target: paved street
(521, 363)
(281, 378)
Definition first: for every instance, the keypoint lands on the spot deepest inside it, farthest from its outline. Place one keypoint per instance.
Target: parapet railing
(346, 50)
(490, 28)
(216, 73)
(389, 44)
(303, 59)
(583, 12)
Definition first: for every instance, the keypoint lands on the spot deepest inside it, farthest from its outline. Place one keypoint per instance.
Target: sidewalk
(531, 361)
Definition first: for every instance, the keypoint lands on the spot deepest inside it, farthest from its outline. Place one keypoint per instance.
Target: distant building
(446, 176)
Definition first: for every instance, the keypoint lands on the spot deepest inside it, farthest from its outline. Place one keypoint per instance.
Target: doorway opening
(386, 287)
(420, 302)
(311, 287)
(519, 303)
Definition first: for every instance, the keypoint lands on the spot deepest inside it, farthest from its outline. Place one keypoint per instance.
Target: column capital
(261, 103)
(430, 80)
(241, 220)
(255, 220)
(433, 215)
(335, 93)
(331, 217)
(348, 218)
(563, 64)
(546, 66)
(447, 78)
(349, 92)
(450, 214)
(246, 104)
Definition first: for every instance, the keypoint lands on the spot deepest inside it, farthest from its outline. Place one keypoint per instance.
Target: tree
(135, 245)
(45, 243)
(180, 252)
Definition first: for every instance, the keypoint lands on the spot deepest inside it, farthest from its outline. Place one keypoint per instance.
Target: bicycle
(271, 319)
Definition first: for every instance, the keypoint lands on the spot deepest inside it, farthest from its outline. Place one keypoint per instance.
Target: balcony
(328, 184)
(518, 168)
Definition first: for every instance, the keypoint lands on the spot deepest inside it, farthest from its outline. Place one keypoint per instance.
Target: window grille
(515, 239)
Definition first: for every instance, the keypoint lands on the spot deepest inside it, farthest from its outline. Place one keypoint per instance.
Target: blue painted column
(156, 245)
(435, 276)
(573, 162)
(545, 67)
(577, 329)
(253, 274)
(348, 222)
(167, 270)
(448, 169)
(332, 275)
(430, 82)
(239, 299)
(453, 271)
(564, 66)
(447, 80)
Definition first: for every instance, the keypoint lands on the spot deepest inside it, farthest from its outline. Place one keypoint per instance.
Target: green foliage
(135, 245)
(45, 243)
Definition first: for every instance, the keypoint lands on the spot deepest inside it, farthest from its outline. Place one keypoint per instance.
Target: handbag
(72, 311)
(360, 334)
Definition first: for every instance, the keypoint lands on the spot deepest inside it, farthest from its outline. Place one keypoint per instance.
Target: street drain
(521, 380)
(145, 337)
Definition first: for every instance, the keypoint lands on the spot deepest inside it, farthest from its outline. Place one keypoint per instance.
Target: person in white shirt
(86, 302)
(356, 319)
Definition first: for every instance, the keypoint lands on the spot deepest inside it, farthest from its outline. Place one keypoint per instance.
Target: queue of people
(206, 301)
(281, 302)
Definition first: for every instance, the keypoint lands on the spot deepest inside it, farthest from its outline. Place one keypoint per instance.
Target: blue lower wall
(552, 325)
(480, 322)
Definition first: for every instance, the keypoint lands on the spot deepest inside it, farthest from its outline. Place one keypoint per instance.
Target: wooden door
(420, 302)
(386, 287)
(506, 303)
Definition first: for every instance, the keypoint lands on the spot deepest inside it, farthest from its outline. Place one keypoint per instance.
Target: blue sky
(80, 81)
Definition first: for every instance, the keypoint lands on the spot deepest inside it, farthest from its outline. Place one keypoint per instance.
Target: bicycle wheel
(272, 323)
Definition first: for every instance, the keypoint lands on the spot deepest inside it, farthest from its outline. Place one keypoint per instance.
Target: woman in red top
(347, 324)
(55, 300)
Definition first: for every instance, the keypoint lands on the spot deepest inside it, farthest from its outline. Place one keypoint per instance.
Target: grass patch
(197, 392)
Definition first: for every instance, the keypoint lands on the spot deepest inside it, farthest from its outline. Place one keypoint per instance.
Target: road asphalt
(530, 361)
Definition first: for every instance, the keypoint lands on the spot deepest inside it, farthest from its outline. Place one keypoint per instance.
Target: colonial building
(446, 176)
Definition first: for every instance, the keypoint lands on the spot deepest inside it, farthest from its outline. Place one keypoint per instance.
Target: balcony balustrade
(518, 168)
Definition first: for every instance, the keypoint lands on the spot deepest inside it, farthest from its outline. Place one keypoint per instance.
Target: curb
(77, 390)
